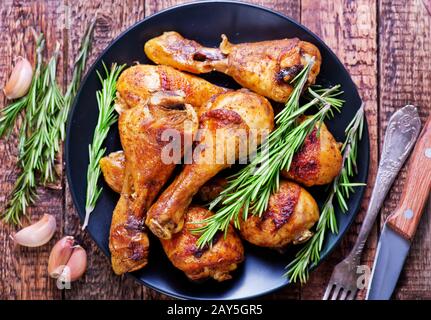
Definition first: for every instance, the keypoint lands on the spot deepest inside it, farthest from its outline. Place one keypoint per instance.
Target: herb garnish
(45, 112)
(24, 191)
(57, 131)
(107, 117)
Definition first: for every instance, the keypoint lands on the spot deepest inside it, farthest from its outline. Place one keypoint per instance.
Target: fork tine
(352, 294)
(328, 291)
(336, 292)
(344, 294)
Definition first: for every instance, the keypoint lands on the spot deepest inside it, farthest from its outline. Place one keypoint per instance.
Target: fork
(398, 142)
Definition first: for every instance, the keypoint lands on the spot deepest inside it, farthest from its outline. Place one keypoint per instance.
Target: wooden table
(385, 46)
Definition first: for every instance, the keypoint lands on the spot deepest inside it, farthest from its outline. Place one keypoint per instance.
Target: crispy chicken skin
(291, 212)
(265, 67)
(215, 261)
(318, 161)
(232, 112)
(145, 174)
(138, 83)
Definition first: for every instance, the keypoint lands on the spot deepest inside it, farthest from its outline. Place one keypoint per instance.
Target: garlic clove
(76, 265)
(38, 233)
(60, 255)
(20, 79)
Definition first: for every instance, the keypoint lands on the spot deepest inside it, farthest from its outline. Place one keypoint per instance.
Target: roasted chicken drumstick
(265, 67)
(214, 261)
(138, 83)
(145, 173)
(229, 114)
(318, 161)
(291, 212)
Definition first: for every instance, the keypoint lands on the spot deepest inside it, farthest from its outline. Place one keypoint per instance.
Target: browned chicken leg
(138, 83)
(145, 173)
(318, 161)
(228, 113)
(265, 67)
(214, 261)
(291, 212)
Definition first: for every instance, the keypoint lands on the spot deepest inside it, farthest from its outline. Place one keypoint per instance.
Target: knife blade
(400, 227)
(391, 254)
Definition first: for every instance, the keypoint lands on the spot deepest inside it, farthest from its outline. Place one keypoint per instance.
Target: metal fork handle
(401, 134)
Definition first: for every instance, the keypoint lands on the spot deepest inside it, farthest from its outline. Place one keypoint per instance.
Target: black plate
(205, 22)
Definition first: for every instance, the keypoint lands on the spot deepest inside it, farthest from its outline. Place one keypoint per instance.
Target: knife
(400, 227)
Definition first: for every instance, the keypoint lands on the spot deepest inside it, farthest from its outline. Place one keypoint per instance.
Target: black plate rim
(360, 190)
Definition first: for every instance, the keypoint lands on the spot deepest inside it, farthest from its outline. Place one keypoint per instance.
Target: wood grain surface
(384, 44)
(405, 78)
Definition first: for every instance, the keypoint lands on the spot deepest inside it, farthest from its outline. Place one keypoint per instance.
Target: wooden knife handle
(417, 187)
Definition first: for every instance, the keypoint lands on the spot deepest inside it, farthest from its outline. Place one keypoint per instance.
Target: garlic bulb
(67, 261)
(38, 233)
(20, 79)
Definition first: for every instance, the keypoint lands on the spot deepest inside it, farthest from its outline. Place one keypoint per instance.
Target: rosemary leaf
(107, 116)
(57, 133)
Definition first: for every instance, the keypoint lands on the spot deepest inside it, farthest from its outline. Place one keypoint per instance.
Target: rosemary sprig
(57, 133)
(10, 113)
(51, 99)
(341, 188)
(42, 127)
(251, 187)
(107, 116)
(78, 69)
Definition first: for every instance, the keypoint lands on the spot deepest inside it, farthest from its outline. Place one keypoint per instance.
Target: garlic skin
(20, 79)
(67, 261)
(60, 255)
(38, 233)
(76, 265)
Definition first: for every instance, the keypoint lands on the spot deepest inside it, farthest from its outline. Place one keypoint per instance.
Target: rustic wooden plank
(113, 17)
(348, 28)
(23, 272)
(405, 77)
(288, 7)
